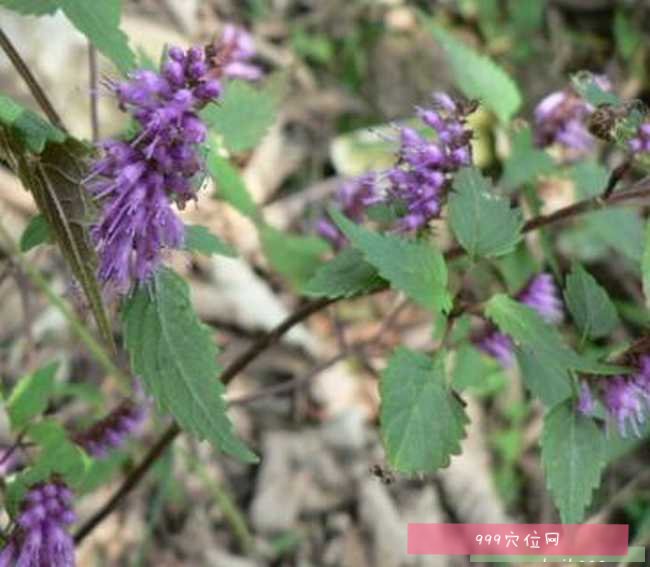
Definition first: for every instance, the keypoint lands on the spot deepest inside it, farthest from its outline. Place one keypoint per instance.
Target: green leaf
(584, 82)
(55, 181)
(645, 265)
(230, 185)
(620, 229)
(421, 421)
(32, 7)
(626, 34)
(416, 268)
(174, 354)
(573, 454)
(31, 130)
(483, 223)
(479, 77)
(544, 376)
(526, 162)
(591, 308)
(30, 396)
(590, 178)
(242, 116)
(295, 257)
(99, 22)
(346, 275)
(199, 239)
(36, 232)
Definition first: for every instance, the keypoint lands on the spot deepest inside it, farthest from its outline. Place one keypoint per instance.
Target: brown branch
(34, 87)
(639, 190)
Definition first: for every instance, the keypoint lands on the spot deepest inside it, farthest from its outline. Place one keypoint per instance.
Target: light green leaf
(295, 257)
(30, 129)
(415, 267)
(230, 185)
(199, 239)
(591, 308)
(573, 455)
(645, 265)
(421, 421)
(585, 83)
(243, 115)
(525, 162)
(483, 223)
(31, 7)
(30, 396)
(546, 378)
(99, 22)
(346, 275)
(589, 177)
(174, 354)
(36, 232)
(479, 77)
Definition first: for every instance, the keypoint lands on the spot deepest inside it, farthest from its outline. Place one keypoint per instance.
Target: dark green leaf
(346, 275)
(591, 308)
(99, 22)
(30, 396)
(573, 454)
(483, 223)
(199, 239)
(230, 186)
(295, 257)
(174, 354)
(421, 421)
(31, 7)
(546, 378)
(526, 162)
(479, 77)
(416, 268)
(243, 115)
(37, 232)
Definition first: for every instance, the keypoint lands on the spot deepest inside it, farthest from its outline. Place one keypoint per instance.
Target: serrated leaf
(645, 265)
(30, 396)
(573, 454)
(416, 268)
(525, 162)
(346, 275)
(479, 77)
(230, 185)
(421, 421)
(546, 378)
(174, 354)
(31, 7)
(199, 239)
(99, 22)
(242, 116)
(31, 130)
(36, 232)
(528, 329)
(295, 257)
(483, 223)
(55, 181)
(591, 308)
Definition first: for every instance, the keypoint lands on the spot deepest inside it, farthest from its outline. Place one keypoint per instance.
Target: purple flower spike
(41, 537)
(541, 294)
(625, 404)
(586, 402)
(232, 55)
(112, 431)
(640, 143)
(497, 345)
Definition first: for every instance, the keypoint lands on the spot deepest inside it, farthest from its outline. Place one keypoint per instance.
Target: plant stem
(95, 348)
(638, 190)
(34, 87)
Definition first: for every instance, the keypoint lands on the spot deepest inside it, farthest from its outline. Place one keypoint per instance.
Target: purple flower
(640, 142)
(231, 55)
(540, 294)
(586, 401)
(112, 431)
(41, 536)
(137, 181)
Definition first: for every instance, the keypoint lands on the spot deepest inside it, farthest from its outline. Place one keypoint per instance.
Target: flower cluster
(640, 143)
(138, 180)
(421, 177)
(626, 399)
(540, 294)
(41, 536)
(113, 430)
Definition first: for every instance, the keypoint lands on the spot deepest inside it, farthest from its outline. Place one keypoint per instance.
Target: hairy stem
(638, 190)
(34, 87)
